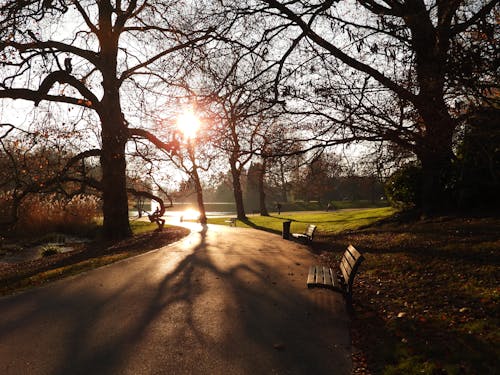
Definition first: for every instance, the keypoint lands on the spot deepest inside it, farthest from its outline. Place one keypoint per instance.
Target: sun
(188, 123)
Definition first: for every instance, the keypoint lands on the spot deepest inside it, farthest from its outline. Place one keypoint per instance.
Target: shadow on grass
(427, 291)
(417, 346)
(265, 229)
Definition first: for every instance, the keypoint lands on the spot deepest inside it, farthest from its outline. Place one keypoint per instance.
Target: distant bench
(308, 235)
(339, 281)
(231, 222)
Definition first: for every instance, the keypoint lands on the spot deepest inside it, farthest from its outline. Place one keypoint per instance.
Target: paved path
(221, 301)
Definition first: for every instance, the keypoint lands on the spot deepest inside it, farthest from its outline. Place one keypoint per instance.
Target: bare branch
(170, 147)
(342, 56)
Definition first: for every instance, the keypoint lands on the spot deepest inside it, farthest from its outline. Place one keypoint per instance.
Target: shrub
(404, 187)
(52, 213)
(49, 250)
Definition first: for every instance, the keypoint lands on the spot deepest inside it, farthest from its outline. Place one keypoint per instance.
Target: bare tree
(235, 91)
(373, 54)
(85, 53)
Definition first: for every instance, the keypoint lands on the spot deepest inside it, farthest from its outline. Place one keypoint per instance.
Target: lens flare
(188, 123)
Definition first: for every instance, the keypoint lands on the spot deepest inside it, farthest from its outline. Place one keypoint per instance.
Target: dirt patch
(21, 275)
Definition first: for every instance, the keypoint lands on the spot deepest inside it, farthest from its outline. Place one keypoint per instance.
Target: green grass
(317, 206)
(139, 227)
(49, 250)
(327, 222)
(360, 204)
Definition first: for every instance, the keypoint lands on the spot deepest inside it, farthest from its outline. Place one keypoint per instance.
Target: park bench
(231, 222)
(308, 235)
(341, 280)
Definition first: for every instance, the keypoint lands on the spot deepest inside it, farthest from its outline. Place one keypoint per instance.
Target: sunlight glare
(188, 123)
(191, 214)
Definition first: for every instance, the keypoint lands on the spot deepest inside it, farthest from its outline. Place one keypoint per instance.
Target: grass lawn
(427, 298)
(327, 222)
(427, 295)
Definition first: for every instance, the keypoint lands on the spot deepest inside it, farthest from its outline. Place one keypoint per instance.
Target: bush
(49, 250)
(404, 188)
(52, 213)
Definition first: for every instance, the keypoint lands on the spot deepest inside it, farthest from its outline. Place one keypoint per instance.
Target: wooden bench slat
(319, 275)
(335, 282)
(346, 264)
(351, 256)
(355, 253)
(311, 277)
(345, 273)
(327, 278)
(348, 260)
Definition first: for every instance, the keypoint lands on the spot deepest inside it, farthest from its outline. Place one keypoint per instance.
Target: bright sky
(189, 123)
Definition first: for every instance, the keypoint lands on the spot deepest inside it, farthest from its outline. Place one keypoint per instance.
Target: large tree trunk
(262, 193)
(434, 147)
(199, 198)
(114, 190)
(436, 155)
(198, 188)
(283, 183)
(114, 138)
(238, 192)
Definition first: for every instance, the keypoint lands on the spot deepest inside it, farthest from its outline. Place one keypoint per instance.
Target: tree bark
(114, 189)
(436, 155)
(238, 192)
(114, 138)
(283, 187)
(199, 199)
(262, 193)
(197, 186)
(434, 147)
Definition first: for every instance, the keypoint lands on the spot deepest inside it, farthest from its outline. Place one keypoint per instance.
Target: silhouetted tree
(373, 57)
(117, 44)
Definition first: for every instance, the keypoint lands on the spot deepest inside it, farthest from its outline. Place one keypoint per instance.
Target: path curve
(221, 301)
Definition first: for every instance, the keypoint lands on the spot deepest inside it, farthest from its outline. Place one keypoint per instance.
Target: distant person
(328, 207)
(278, 208)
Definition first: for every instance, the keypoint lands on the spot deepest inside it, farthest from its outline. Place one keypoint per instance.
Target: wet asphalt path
(222, 301)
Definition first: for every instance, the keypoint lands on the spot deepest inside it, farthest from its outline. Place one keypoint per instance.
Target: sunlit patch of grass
(326, 222)
(411, 365)
(139, 227)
